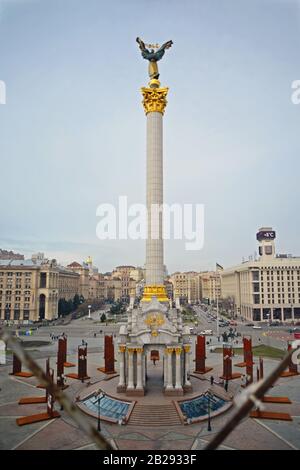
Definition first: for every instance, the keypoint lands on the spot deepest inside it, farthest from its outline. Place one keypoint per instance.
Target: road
(270, 336)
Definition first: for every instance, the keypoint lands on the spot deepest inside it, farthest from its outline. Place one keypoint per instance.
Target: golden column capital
(169, 350)
(187, 348)
(122, 348)
(155, 99)
(178, 351)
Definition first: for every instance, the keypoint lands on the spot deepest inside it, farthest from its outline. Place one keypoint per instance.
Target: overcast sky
(72, 133)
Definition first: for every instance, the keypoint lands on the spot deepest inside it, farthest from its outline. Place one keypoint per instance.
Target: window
(26, 314)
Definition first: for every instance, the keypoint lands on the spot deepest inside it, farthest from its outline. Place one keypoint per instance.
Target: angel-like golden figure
(153, 56)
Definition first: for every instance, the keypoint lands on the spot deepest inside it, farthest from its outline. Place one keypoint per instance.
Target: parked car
(256, 327)
(294, 330)
(206, 332)
(249, 324)
(233, 323)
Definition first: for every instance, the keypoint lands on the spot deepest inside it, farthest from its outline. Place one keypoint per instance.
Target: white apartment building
(266, 289)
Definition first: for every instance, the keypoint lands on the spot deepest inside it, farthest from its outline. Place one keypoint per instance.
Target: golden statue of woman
(153, 57)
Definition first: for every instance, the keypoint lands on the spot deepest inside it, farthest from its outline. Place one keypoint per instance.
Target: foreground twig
(69, 407)
(250, 396)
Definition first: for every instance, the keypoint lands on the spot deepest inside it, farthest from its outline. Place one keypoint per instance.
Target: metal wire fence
(249, 398)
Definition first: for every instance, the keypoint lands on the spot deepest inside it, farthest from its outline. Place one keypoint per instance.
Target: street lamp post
(99, 395)
(208, 411)
(61, 383)
(218, 330)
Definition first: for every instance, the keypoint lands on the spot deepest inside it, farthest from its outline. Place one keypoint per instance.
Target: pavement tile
(58, 435)
(173, 436)
(132, 435)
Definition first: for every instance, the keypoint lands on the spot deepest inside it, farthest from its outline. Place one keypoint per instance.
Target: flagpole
(217, 298)
(217, 311)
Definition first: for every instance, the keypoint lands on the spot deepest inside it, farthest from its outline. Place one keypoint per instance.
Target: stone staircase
(154, 415)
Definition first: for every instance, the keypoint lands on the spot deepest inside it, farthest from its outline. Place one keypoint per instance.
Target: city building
(29, 290)
(210, 286)
(97, 287)
(68, 283)
(5, 254)
(84, 277)
(267, 288)
(122, 282)
(186, 286)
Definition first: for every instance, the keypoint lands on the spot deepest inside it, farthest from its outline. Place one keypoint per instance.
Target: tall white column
(130, 384)
(154, 243)
(165, 368)
(145, 368)
(122, 367)
(154, 103)
(139, 371)
(178, 385)
(187, 349)
(169, 384)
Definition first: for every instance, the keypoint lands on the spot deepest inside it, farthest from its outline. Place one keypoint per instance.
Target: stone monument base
(135, 392)
(173, 392)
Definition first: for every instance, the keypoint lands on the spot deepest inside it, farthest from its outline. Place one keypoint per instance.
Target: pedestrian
(226, 386)
(243, 381)
(211, 380)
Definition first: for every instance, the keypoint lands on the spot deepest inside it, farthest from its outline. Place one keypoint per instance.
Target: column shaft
(169, 384)
(139, 377)
(178, 369)
(130, 384)
(186, 367)
(154, 243)
(122, 368)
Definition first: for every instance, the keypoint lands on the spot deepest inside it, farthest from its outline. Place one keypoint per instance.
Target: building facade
(210, 286)
(68, 283)
(186, 286)
(121, 285)
(266, 289)
(5, 254)
(28, 290)
(84, 277)
(97, 287)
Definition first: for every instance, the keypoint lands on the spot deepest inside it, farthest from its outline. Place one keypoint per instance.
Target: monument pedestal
(135, 392)
(187, 388)
(173, 392)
